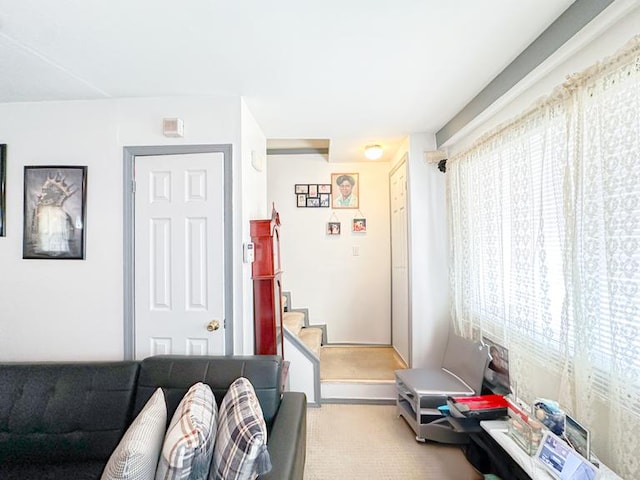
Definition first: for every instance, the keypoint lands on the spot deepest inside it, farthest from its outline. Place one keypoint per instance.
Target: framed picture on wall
(333, 228)
(3, 184)
(359, 225)
(54, 212)
(312, 194)
(347, 189)
(324, 188)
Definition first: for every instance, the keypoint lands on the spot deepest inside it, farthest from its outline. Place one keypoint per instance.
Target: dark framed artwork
(359, 225)
(333, 228)
(54, 212)
(347, 187)
(312, 194)
(3, 185)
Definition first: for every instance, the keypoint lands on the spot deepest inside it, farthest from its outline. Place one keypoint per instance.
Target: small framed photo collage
(313, 195)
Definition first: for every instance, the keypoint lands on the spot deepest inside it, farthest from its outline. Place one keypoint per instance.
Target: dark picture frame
(346, 190)
(3, 186)
(54, 218)
(496, 375)
(312, 195)
(333, 228)
(359, 225)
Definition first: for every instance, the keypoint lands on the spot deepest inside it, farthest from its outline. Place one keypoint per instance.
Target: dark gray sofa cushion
(175, 374)
(57, 412)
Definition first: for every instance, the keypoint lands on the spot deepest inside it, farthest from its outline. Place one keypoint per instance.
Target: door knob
(213, 325)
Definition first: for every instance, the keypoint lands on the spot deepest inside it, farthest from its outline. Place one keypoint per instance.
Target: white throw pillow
(136, 456)
(240, 452)
(188, 445)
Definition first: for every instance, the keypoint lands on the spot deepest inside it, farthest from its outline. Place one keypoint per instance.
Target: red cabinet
(267, 286)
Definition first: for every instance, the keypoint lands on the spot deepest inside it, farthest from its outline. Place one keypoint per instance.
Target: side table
(417, 402)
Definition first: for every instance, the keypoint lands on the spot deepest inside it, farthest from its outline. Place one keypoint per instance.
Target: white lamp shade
(373, 152)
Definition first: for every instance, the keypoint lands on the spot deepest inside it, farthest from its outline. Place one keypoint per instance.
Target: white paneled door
(179, 254)
(400, 331)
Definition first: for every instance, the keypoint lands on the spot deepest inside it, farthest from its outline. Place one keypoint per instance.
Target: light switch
(355, 250)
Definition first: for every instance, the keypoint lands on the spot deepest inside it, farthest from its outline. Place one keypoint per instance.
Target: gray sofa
(63, 420)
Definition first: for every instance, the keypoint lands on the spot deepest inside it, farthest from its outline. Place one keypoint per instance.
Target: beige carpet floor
(358, 363)
(370, 442)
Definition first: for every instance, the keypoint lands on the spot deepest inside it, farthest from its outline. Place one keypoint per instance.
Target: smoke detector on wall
(257, 160)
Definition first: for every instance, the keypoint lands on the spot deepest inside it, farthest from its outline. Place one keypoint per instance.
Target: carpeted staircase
(353, 373)
(302, 349)
(310, 336)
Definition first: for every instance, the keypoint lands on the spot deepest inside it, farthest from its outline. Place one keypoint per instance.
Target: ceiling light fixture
(373, 152)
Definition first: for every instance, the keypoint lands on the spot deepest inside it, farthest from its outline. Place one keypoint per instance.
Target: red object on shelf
(267, 286)
(482, 407)
(482, 402)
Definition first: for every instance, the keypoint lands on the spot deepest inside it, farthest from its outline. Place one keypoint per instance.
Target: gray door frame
(130, 154)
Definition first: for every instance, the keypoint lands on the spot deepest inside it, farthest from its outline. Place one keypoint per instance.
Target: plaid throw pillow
(136, 456)
(240, 452)
(188, 444)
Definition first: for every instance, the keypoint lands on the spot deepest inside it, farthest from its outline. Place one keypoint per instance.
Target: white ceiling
(352, 71)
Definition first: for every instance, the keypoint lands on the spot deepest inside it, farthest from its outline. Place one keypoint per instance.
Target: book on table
(481, 407)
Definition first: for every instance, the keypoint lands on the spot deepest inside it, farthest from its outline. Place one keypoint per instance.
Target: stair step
(294, 321)
(312, 338)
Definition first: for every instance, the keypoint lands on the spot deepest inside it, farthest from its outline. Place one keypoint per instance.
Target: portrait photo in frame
(333, 228)
(359, 225)
(3, 185)
(54, 212)
(347, 188)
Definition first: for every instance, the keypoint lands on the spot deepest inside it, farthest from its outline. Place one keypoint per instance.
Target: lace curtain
(544, 217)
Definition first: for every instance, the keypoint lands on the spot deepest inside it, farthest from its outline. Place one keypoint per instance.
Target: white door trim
(130, 153)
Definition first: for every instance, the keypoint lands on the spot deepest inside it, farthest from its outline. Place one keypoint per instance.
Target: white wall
(429, 255)
(250, 192)
(351, 294)
(73, 309)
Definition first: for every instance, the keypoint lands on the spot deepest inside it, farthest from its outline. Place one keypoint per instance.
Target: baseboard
(358, 392)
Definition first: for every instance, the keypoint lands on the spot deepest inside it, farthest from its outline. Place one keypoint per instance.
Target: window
(545, 244)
